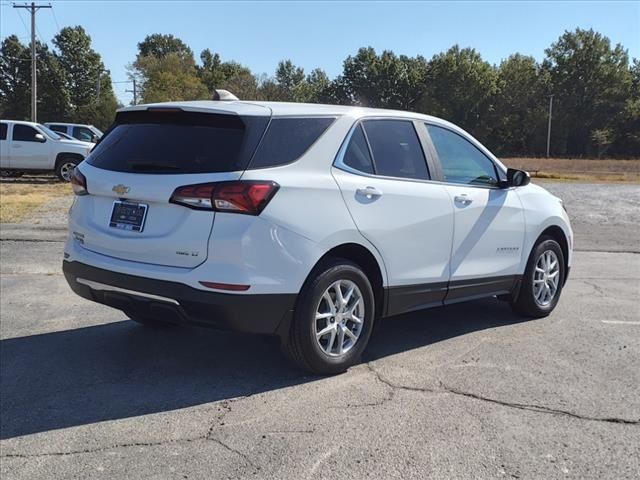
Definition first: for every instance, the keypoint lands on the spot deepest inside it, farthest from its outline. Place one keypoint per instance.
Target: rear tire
(542, 281)
(336, 299)
(65, 167)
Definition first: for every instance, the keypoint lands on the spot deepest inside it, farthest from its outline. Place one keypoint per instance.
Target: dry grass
(588, 170)
(18, 199)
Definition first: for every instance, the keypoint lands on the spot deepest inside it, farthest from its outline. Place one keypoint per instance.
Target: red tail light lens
(79, 183)
(249, 197)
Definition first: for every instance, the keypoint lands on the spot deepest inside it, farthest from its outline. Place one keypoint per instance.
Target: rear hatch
(133, 171)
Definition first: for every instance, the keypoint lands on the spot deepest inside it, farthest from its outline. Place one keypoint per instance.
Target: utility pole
(134, 91)
(549, 125)
(33, 8)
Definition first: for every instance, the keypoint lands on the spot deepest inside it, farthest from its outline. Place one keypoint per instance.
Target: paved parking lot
(470, 391)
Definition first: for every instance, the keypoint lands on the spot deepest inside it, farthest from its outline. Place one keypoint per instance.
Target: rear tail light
(79, 183)
(249, 197)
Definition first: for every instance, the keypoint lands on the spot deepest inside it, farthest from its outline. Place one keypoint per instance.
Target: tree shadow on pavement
(120, 370)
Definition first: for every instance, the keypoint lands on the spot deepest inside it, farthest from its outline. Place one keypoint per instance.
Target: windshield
(96, 131)
(49, 133)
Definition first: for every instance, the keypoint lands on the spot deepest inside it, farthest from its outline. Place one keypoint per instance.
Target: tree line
(73, 84)
(594, 84)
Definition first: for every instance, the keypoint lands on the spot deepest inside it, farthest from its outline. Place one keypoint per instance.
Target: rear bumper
(177, 302)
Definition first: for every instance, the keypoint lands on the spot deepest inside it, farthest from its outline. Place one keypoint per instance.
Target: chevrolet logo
(120, 189)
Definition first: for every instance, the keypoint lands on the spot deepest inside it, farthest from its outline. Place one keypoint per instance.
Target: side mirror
(517, 178)
(39, 138)
(94, 138)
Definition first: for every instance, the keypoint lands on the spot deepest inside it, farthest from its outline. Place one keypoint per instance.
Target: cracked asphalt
(470, 391)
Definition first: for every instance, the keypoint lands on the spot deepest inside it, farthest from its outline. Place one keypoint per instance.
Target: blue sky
(323, 34)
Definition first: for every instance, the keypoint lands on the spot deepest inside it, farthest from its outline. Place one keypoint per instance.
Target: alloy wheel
(546, 278)
(66, 171)
(339, 318)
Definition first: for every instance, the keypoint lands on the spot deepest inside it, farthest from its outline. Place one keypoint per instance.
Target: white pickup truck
(32, 147)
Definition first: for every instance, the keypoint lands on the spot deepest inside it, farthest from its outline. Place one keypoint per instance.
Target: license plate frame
(123, 217)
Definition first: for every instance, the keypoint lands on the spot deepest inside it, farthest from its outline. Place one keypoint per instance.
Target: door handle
(463, 199)
(17, 146)
(369, 192)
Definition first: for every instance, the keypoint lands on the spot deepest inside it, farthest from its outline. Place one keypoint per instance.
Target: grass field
(18, 199)
(577, 169)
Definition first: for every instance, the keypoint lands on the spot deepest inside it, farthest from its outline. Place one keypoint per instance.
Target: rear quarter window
(287, 139)
(3, 131)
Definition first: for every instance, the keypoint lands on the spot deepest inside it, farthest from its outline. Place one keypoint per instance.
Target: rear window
(175, 141)
(287, 139)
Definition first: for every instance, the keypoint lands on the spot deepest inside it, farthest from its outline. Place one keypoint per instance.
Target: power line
(55, 19)
(26, 29)
(33, 8)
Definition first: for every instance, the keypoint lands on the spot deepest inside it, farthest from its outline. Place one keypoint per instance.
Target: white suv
(308, 222)
(32, 147)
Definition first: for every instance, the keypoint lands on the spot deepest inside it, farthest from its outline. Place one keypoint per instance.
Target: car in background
(32, 147)
(85, 133)
(308, 222)
(69, 137)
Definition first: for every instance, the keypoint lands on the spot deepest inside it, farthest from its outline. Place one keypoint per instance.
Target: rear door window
(396, 149)
(287, 139)
(178, 142)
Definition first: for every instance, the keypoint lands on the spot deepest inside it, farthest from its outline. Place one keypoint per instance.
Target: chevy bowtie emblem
(120, 189)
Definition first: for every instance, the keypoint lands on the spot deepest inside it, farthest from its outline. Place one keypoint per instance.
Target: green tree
(215, 74)
(166, 70)
(385, 80)
(460, 87)
(627, 133)
(519, 117)
(91, 97)
(15, 79)
(15, 82)
(160, 45)
(592, 83)
(170, 78)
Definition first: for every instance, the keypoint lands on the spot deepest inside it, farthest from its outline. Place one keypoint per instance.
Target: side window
(396, 149)
(24, 133)
(287, 139)
(357, 154)
(3, 131)
(58, 128)
(461, 161)
(82, 133)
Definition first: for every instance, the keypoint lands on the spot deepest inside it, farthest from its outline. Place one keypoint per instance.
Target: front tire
(542, 281)
(333, 318)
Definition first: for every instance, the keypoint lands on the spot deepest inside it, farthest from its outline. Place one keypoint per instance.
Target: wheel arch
(365, 259)
(68, 156)
(557, 233)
